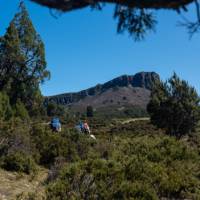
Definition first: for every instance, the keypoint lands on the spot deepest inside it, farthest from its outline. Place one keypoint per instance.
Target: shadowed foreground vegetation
(136, 161)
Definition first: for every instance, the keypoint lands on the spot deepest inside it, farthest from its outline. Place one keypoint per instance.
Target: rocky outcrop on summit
(143, 80)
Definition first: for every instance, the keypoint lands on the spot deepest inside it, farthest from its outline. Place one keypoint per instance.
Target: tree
(5, 108)
(134, 16)
(10, 57)
(51, 109)
(54, 109)
(22, 64)
(174, 106)
(20, 111)
(89, 111)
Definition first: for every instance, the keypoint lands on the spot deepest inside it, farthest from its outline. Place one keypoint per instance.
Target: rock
(140, 80)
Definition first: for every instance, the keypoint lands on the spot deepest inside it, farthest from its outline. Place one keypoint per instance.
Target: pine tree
(5, 108)
(174, 106)
(23, 65)
(10, 57)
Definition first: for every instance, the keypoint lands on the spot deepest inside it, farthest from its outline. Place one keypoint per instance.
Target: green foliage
(137, 22)
(140, 162)
(5, 108)
(7, 111)
(89, 111)
(142, 165)
(135, 112)
(69, 145)
(22, 64)
(21, 111)
(51, 109)
(29, 196)
(137, 190)
(83, 175)
(54, 109)
(19, 162)
(51, 146)
(125, 112)
(174, 106)
(19, 139)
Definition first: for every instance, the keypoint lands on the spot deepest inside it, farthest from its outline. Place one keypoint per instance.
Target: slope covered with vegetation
(134, 161)
(129, 159)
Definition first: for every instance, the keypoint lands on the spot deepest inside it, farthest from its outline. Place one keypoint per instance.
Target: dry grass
(15, 184)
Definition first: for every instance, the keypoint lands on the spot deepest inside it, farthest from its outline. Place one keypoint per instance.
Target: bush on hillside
(68, 144)
(54, 109)
(20, 111)
(19, 162)
(89, 111)
(140, 167)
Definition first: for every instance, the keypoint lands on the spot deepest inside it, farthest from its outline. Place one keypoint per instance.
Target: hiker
(86, 128)
(55, 125)
(77, 127)
(80, 127)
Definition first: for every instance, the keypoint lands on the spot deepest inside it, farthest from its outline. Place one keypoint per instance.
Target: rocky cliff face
(144, 80)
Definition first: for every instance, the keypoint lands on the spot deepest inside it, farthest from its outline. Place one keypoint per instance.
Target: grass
(16, 184)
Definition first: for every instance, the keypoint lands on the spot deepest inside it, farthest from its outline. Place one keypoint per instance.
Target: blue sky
(83, 48)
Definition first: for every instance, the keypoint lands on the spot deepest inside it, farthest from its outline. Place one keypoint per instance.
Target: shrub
(68, 144)
(19, 162)
(48, 144)
(21, 111)
(54, 109)
(89, 111)
(93, 179)
(138, 190)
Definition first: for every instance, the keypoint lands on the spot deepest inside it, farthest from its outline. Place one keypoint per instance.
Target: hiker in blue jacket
(81, 126)
(55, 125)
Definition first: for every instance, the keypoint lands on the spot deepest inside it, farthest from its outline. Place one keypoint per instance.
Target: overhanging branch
(192, 26)
(134, 16)
(67, 5)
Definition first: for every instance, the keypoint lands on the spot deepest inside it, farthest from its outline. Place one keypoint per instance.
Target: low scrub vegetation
(133, 166)
(137, 160)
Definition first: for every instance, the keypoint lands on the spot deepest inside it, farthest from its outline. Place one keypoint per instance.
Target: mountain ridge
(141, 82)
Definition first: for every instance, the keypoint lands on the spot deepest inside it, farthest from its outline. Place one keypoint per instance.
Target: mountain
(123, 91)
